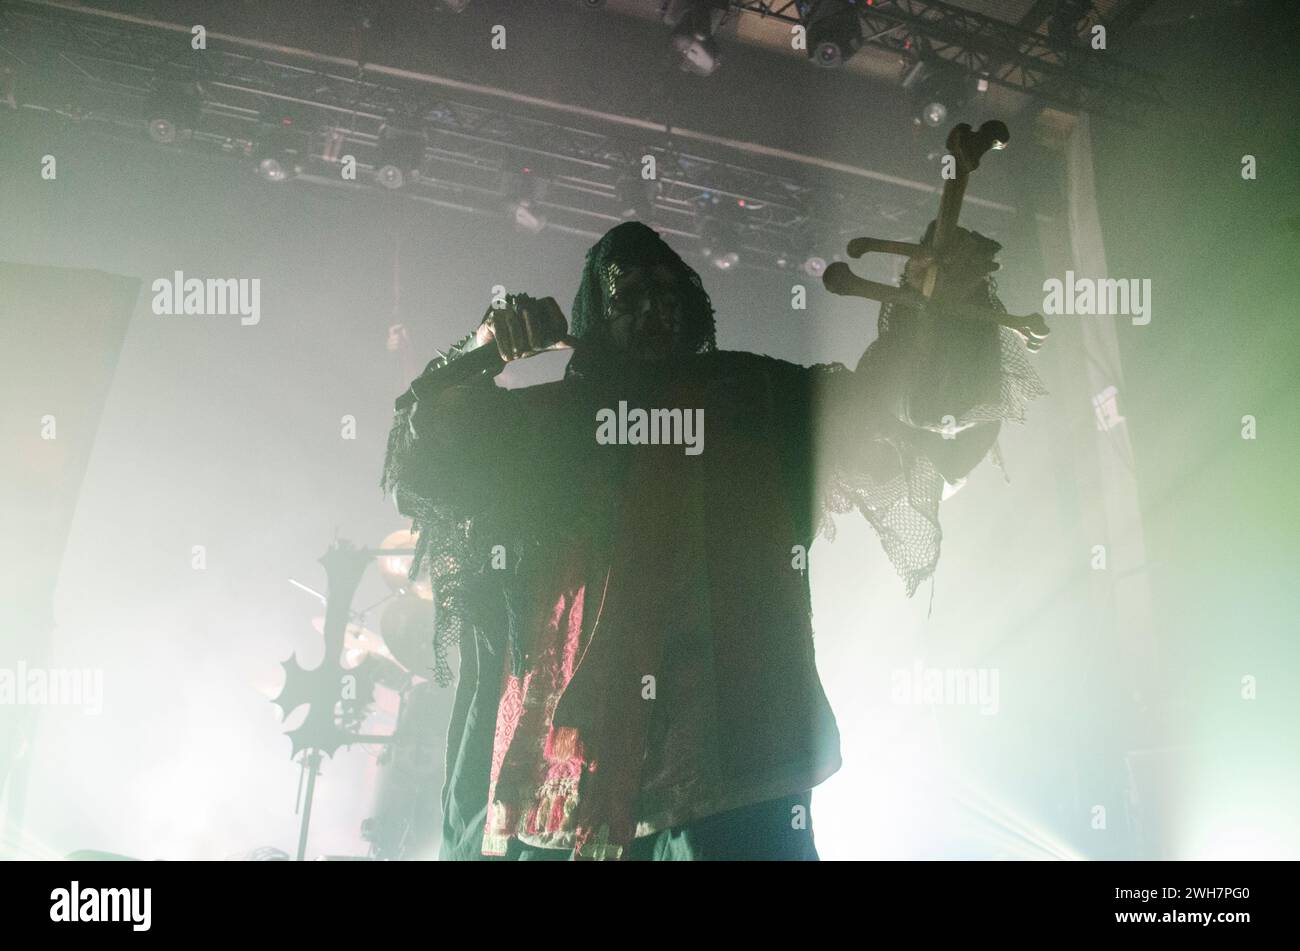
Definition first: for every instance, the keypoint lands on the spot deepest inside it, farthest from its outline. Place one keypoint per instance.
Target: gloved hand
(523, 326)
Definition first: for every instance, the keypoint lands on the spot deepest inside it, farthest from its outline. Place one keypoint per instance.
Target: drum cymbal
(357, 642)
(407, 623)
(394, 568)
(361, 644)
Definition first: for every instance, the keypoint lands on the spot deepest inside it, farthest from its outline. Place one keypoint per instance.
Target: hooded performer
(637, 677)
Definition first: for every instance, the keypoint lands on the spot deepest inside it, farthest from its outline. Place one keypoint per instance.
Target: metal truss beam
(101, 70)
(1071, 77)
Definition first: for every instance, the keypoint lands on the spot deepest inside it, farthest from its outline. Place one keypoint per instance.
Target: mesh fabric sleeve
(884, 438)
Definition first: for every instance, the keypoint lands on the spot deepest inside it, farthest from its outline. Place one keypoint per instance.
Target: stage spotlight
(276, 168)
(524, 189)
(940, 88)
(720, 244)
(172, 108)
(696, 54)
(808, 262)
(401, 152)
(526, 218)
(834, 31)
(694, 23)
(280, 150)
(933, 113)
(636, 197)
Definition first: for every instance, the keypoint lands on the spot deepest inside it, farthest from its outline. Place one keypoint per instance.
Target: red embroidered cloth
(648, 698)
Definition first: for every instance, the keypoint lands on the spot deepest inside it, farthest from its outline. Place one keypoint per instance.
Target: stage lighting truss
(400, 154)
(834, 31)
(720, 243)
(636, 197)
(695, 24)
(939, 91)
(457, 153)
(1053, 66)
(725, 223)
(171, 109)
(281, 149)
(525, 188)
(808, 251)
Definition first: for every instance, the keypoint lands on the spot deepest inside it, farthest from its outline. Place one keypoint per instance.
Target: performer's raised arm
(923, 407)
(447, 441)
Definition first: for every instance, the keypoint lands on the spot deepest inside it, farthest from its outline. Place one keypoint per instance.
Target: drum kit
(374, 689)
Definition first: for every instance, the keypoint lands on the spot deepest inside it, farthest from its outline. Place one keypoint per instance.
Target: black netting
(448, 541)
(623, 246)
(445, 542)
(976, 373)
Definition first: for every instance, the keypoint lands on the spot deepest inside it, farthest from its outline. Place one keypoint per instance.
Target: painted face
(645, 317)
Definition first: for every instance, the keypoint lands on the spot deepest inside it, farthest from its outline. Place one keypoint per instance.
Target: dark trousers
(779, 830)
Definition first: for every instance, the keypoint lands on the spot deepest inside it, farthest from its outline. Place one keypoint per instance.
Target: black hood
(626, 246)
